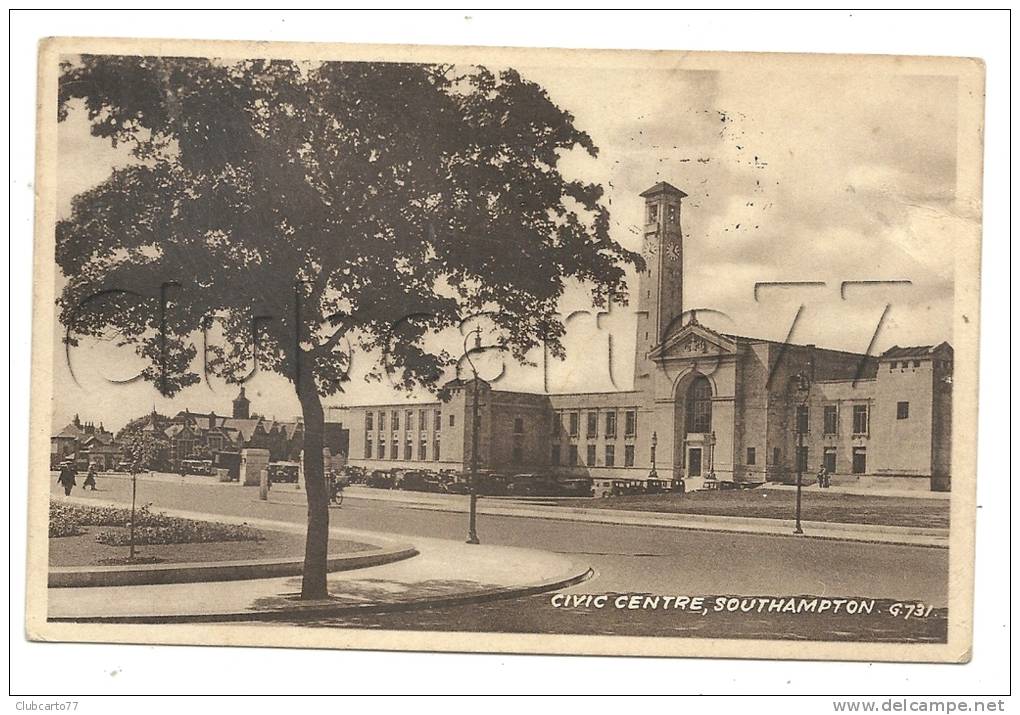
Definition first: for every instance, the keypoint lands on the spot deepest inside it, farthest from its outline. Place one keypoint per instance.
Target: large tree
(332, 206)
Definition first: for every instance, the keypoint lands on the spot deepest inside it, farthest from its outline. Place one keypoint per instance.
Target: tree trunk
(313, 582)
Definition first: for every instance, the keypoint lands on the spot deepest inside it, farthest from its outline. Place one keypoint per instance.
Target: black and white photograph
(506, 350)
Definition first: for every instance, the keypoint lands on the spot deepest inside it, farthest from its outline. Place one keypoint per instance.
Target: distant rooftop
(663, 188)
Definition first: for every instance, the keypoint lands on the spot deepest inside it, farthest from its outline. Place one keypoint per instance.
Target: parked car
(436, 483)
(533, 485)
(202, 467)
(353, 474)
(413, 481)
(381, 479)
(489, 484)
(579, 487)
(283, 472)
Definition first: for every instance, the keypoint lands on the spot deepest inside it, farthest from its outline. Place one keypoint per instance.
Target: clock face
(650, 245)
(673, 252)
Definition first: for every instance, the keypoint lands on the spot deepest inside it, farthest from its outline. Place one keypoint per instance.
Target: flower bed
(70, 520)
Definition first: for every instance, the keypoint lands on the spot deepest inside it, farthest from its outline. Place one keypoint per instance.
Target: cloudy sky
(790, 176)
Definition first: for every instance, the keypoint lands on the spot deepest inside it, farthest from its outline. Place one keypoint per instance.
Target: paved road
(626, 558)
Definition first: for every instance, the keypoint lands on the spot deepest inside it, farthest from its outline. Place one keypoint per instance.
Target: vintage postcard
(505, 350)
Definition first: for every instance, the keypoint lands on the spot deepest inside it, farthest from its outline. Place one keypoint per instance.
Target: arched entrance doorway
(693, 419)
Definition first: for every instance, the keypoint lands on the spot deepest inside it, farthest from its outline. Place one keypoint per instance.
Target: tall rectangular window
(592, 428)
(611, 424)
(802, 418)
(368, 448)
(630, 423)
(752, 455)
(453, 421)
(396, 420)
(556, 423)
(802, 459)
(423, 450)
(408, 448)
(860, 419)
(422, 421)
(408, 420)
(518, 425)
(902, 410)
(435, 451)
(590, 456)
(368, 422)
(610, 455)
(860, 465)
(830, 419)
(439, 420)
(575, 419)
(382, 421)
(829, 459)
(628, 455)
(382, 448)
(653, 213)
(394, 449)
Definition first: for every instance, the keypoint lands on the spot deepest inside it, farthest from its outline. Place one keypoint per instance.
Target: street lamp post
(473, 487)
(655, 443)
(803, 391)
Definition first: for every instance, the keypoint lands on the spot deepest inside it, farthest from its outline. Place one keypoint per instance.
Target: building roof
(663, 188)
(69, 432)
(914, 351)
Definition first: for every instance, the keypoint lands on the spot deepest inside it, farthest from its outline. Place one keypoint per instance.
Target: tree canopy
(308, 209)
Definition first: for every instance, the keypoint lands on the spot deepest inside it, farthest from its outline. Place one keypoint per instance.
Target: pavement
(535, 509)
(443, 573)
(544, 508)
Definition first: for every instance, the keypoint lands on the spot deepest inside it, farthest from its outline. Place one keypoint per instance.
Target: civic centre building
(706, 406)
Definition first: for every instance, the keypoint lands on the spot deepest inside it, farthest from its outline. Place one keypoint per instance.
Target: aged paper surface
(797, 238)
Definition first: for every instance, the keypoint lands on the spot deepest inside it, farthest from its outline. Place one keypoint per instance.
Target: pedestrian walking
(823, 477)
(90, 479)
(66, 479)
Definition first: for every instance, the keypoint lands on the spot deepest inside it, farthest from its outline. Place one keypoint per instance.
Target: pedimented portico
(694, 392)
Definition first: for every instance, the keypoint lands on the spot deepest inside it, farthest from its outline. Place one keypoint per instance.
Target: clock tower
(660, 285)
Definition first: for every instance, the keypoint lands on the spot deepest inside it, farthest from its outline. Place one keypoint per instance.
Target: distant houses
(192, 436)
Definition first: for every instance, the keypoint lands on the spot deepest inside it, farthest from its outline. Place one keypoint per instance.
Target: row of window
(830, 418)
(373, 419)
(609, 455)
(858, 464)
(861, 418)
(394, 449)
(573, 424)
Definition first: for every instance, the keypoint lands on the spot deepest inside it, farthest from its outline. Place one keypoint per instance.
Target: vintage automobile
(533, 485)
(201, 467)
(381, 479)
(413, 481)
(283, 472)
(617, 487)
(489, 484)
(575, 487)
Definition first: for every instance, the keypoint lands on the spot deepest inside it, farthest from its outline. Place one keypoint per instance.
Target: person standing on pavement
(90, 479)
(66, 479)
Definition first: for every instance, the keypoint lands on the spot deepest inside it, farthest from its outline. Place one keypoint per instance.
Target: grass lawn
(765, 503)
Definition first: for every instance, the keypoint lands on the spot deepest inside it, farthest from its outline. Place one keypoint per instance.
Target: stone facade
(705, 405)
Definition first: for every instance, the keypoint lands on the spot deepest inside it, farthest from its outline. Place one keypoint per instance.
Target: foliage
(150, 528)
(180, 531)
(295, 209)
(147, 451)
